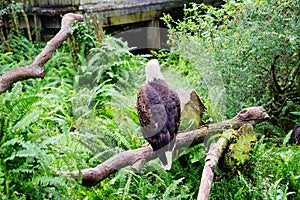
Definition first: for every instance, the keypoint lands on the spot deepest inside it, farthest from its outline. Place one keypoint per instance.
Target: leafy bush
(273, 173)
(250, 48)
(253, 45)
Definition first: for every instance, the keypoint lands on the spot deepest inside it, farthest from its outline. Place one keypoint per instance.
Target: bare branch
(211, 161)
(35, 70)
(2, 37)
(273, 68)
(26, 22)
(138, 157)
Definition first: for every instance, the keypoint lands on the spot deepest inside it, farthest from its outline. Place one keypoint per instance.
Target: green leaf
(27, 120)
(287, 138)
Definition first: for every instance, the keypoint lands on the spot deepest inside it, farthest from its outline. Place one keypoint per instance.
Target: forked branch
(35, 70)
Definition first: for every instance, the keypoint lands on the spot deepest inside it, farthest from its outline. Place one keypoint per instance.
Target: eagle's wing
(152, 116)
(173, 112)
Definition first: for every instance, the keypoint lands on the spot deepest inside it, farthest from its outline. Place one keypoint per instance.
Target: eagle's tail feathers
(168, 165)
(174, 147)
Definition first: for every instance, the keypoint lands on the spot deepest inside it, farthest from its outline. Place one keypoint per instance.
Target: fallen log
(35, 70)
(136, 158)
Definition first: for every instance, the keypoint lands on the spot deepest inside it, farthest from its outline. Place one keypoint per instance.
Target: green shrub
(252, 47)
(273, 173)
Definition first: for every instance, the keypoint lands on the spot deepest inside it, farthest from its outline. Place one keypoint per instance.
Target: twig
(2, 37)
(273, 68)
(26, 23)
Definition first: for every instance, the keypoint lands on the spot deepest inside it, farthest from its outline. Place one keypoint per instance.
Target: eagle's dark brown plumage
(158, 109)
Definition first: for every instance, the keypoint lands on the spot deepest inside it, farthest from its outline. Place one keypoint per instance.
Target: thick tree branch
(136, 158)
(35, 70)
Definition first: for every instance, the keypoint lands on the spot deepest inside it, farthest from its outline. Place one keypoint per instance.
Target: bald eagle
(158, 109)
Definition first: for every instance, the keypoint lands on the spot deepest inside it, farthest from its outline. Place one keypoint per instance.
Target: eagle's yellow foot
(147, 145)
(144, 145)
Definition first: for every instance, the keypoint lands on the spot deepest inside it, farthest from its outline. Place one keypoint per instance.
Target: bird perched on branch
(158, 109)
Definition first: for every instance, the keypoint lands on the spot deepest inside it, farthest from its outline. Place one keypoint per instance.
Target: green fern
(2, 181)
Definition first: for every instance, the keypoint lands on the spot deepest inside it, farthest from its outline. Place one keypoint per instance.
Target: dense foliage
(241, 54)
(254, 46)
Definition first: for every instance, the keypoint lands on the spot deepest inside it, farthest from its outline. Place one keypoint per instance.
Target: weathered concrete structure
(45, 15)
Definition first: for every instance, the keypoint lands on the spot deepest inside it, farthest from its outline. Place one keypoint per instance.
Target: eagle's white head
(153, 71)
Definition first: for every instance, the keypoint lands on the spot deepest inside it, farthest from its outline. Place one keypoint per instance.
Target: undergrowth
(84, 112)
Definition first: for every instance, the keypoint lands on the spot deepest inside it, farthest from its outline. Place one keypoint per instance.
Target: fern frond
(172, 188)
(27, 120)
(50, 180)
